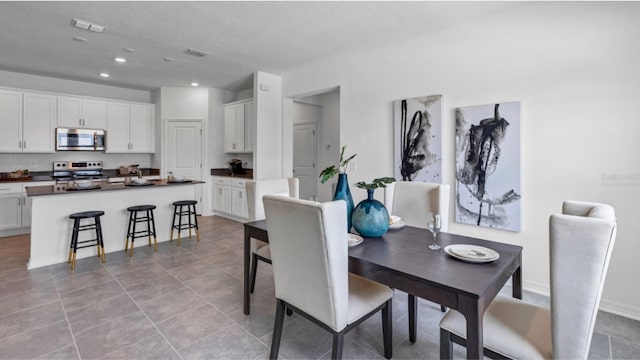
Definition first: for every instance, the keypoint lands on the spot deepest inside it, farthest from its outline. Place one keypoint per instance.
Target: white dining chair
(256, 189)
(412, 201)
(308, 243)
(581, 240)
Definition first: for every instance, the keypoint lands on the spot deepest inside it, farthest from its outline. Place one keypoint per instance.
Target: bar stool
(98, 242)
(134, 218)
(179, 212)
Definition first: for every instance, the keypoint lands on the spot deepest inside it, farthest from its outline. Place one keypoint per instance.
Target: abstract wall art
(488, 165)
(418, 139)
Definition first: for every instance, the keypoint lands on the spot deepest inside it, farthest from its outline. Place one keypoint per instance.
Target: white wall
(267, 156)
(574, 67)
(217, 99)
(50, 84)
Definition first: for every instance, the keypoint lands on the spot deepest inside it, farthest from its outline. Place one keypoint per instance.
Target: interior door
(184, 153)
(304, 155)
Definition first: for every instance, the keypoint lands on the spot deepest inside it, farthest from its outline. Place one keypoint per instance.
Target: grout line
(610, 347)
(66, 317)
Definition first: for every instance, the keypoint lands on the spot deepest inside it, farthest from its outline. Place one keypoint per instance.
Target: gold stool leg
(178, 238)
(198, 235)
(149, 239)
(73, 262)
(104, 258)
(131, 250)
(70, 254)
(171, 236)
(155, 241)
(189, 233)
(126, 244)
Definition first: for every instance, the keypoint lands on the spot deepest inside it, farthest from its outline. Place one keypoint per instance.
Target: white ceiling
(241, 37)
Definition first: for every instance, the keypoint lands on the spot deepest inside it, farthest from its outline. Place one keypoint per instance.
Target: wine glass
(433, 224)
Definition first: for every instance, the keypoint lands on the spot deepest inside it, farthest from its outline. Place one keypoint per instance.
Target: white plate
(472, 253)
(397, 225)
(353, 239)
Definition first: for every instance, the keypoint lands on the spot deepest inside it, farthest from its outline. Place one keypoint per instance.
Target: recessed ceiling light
(104, 75)
(129, 50)
(168, 59)
(79, 38)
(194, 83)
(119, 59)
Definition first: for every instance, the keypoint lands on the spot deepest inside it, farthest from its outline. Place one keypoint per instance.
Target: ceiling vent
(195, 52)
(86, 25)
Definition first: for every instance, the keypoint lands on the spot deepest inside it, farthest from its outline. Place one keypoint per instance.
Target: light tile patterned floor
(186, 303)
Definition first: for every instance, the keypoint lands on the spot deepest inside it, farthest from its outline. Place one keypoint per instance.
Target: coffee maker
(235, 167)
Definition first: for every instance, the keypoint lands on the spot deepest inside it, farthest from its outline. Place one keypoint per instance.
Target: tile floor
(186, 303)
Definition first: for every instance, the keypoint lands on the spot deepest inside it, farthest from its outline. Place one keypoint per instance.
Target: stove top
(77, 170)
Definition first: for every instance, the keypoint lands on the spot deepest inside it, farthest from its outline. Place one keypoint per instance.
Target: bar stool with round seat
(77, 227)
(134, 218)
(179, 212)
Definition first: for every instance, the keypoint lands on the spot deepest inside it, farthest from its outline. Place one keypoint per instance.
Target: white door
(184, 153)
(304, 155)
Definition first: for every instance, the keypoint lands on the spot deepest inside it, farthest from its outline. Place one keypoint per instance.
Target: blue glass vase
(370, 218)
(343, 193)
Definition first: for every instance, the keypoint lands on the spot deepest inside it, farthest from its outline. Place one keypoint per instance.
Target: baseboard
(14, 232)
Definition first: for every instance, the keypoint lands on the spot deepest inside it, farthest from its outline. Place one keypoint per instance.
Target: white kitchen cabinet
(229, 196)
(81, 113)
(239, 198)
(27, 122)
(10, 209)
(129, 128)
(221, 194)
(15, 207)
(38, 123)
(10, 121)
(239, 125)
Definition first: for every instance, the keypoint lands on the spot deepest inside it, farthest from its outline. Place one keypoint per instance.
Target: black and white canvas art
(418, 139)
(488, 165)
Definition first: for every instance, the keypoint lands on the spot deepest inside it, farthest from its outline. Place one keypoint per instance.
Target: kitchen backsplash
(43, 162)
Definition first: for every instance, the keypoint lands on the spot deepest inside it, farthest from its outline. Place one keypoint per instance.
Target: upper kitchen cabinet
(130, 128)
(28, 122)
(81, 113)
(239, 125)
(38, 123)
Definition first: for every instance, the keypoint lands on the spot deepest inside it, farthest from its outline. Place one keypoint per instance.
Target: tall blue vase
(343, 193)
(370, 218)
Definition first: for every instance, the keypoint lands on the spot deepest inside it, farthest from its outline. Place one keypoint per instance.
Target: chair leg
(133, 234)
(126, 245)
(153, 225)
(338, 344)
(446, 346)
(195, 221)
(173, 222)
(100, 239)
(387, 326)
(149, 226)
(254, 270)
(179, 224)
(443, 308)
(413, 313)
(289, 312)
(277, 330)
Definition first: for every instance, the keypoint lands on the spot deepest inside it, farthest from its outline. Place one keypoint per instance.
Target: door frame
(206, 191)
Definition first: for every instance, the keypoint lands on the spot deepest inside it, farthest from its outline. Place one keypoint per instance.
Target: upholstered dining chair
(412, 201)
(256, 189)
(308, 243)
(581, 240)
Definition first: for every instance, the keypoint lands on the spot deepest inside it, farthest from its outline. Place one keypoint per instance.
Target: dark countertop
(46, 175)
(225, 172)
(61, 189)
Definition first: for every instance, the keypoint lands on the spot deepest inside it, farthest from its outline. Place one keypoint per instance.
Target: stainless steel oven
(80, 139)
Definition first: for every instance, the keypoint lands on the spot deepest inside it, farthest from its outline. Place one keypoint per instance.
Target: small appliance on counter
(235, 167)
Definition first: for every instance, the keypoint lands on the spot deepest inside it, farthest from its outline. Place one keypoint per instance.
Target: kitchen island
(52, 205)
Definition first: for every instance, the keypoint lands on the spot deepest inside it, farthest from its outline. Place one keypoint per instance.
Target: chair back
(413, 200)
(256, 189)
(308, 243)
(581, 240)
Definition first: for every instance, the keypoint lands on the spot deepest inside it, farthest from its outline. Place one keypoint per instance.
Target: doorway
(184, 153)
(304, 157)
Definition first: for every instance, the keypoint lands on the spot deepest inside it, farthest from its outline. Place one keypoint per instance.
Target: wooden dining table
(402, 260)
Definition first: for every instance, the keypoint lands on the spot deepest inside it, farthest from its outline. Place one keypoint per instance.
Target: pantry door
(184, 152)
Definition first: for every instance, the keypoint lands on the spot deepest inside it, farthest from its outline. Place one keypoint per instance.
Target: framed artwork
(418, 139)
(488, 165)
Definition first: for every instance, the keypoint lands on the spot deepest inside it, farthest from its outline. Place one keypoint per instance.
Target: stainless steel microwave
(80, 139)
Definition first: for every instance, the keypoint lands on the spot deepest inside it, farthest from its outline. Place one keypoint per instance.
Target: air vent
(195, 52)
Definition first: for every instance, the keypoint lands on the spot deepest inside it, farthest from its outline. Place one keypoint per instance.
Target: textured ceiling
(241, 37)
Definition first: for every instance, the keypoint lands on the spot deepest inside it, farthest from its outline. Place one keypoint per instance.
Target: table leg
(516, 282)
(247, 255)
(413, 313)
(470, 308)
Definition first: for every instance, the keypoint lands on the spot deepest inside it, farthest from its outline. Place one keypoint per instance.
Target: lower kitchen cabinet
(15, 207)
(229, 196)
